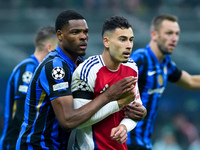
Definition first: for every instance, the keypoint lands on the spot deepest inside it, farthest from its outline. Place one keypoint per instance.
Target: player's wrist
(105, 98)
(122, 125)
(120, 104)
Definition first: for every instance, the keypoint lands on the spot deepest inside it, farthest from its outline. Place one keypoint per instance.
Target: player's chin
(82, 53)
(125, 60)
(170, 51)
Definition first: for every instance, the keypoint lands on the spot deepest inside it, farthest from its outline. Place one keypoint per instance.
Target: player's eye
(75, 32)
(122, 39)
(131, 39)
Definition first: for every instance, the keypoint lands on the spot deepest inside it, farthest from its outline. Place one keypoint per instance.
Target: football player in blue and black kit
(45, 41)
(155, 68)
(49, 112)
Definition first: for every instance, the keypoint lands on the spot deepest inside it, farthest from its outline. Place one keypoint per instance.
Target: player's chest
(105, 78)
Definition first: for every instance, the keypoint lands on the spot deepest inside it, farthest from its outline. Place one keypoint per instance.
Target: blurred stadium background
(19, 20)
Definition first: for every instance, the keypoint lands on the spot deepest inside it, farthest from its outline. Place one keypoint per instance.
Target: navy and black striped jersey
(52, 79)
(17, 87)
(153, 77)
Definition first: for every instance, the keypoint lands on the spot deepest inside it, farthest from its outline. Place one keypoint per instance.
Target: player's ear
(154, 35)
(49, 47)
(106, 41)
(59, 35)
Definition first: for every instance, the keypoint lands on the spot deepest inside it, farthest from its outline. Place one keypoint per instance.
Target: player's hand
(121, 87)
(135, 111)
(119, 134)
(127, 98)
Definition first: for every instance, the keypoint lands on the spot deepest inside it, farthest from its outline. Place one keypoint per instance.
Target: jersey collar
(153, 55)
(65, 57)
(35, 59)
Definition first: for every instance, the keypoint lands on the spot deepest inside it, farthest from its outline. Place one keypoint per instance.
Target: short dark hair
(115, 22)
(44, 34)
(64, 17)
(157, 21)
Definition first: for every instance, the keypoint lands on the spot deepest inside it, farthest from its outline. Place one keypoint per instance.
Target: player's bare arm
(188, 81)
(70, 118)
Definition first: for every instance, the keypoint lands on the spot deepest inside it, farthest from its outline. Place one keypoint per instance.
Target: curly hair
(115, 22)
(64, 17)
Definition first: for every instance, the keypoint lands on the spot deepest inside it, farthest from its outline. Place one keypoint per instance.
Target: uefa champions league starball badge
(58, 73)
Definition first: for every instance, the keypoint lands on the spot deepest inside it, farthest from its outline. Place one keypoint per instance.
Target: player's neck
(40, 55)
(160, 56)
(110, 62)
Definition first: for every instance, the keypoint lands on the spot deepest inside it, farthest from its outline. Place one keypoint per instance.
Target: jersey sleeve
(102, 113)
(55, 78)
(22, 78)
(129, 123)
(174, 73)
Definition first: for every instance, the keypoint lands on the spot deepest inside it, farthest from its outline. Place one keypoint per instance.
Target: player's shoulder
(169, 61)
(140, 51)
(55, 60)
(93, 59)
(131, 63)
(89, 67)
(91, 62)
(26, 63)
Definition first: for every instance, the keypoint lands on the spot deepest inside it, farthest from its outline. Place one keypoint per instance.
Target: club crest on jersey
(26, 77)
(160, 80)
(58, 73)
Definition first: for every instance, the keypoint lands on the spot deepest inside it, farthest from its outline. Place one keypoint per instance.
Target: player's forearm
(112, 93)
(187, 81)
(85, 112)
(102, 113)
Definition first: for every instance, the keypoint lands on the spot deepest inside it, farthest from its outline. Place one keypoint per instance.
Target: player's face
(121, 44)
(73, 37)
(168, 36)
